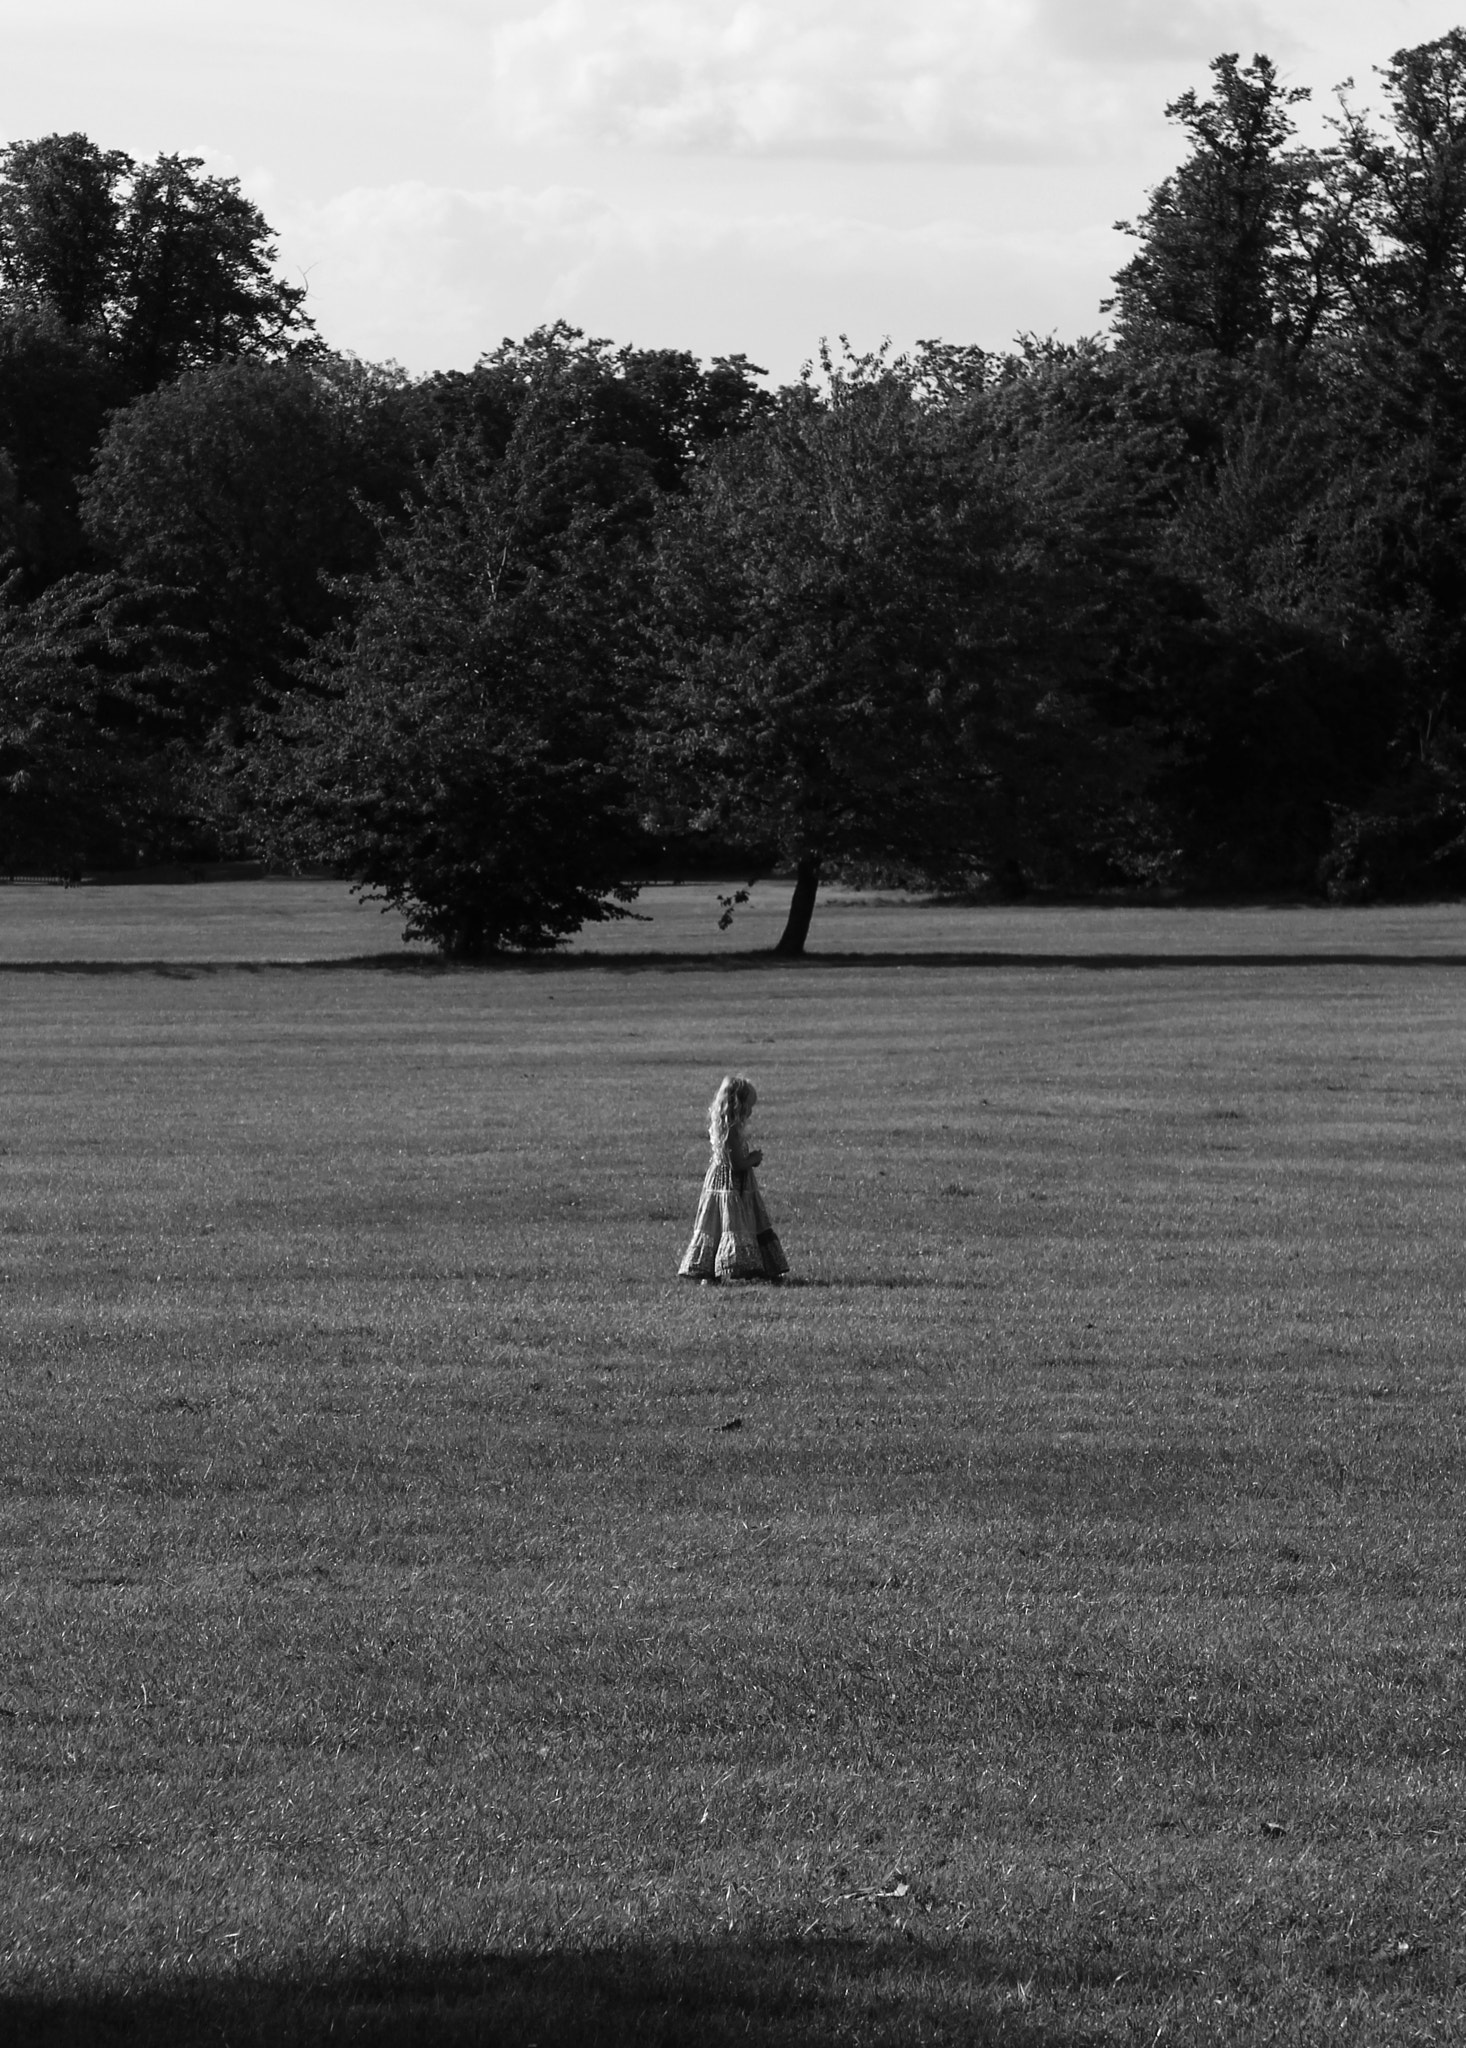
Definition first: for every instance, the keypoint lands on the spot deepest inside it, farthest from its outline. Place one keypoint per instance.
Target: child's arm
(737, 1150)
(739, 1156)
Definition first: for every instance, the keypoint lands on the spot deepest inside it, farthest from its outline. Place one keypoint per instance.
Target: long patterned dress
(733, 1238)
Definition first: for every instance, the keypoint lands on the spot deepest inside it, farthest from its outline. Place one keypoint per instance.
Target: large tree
(115, 277)
(251, 489)
(1237, 247)
(857, 635)
(160, 264)
(1404, 188)
(458, 746)
(1317, 299)
(228, 507)
(61, 211)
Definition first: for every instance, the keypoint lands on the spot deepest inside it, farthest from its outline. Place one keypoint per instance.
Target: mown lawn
(421, 1618)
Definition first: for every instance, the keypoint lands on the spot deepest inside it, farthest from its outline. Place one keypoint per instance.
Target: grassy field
(423, 1619)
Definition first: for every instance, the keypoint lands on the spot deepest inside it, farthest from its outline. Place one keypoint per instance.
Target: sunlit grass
(422, 1615)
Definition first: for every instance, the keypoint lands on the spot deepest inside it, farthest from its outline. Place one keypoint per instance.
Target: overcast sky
(719, 175)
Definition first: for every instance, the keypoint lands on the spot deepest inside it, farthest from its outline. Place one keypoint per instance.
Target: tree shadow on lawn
(790, 1993)
(728, 963)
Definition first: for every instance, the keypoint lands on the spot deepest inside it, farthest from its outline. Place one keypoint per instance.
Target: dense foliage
(162, 268)
(864, 625)
(1181, 607)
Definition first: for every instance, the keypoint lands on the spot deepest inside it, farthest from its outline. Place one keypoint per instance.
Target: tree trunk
(801, 909)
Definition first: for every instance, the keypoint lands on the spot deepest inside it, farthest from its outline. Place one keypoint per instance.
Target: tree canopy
(458, 745)
(845, 618)
(252, 488)
(1235, 246)
(1178, 606)
(162, 267)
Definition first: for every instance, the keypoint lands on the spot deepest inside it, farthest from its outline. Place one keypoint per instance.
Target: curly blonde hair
(733, 1104)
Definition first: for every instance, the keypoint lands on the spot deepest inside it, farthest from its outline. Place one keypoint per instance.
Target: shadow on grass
(784, 1994)
(420, 964)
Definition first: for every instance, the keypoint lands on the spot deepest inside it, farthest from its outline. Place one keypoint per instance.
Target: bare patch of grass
(401, 1642)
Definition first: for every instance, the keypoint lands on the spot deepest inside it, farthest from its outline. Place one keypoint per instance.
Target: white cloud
(1130, 32)
(711, 174)
(987, 80)
(435, 276)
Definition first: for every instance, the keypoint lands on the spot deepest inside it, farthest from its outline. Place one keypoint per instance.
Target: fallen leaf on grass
(893, 1887)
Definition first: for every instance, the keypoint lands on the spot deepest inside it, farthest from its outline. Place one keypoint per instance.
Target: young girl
(732, 1238)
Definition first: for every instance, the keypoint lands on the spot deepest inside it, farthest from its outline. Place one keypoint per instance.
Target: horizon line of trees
(1177, 608)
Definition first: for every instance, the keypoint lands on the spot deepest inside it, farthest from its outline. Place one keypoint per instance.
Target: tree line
(1178, 607)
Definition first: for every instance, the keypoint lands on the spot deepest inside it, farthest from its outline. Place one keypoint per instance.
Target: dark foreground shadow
(418, 965)
(888, 1993)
